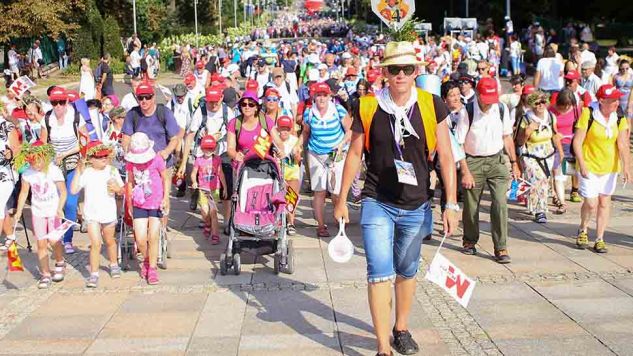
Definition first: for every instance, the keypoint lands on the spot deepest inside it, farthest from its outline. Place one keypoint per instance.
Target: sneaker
(92, 281)
(44, 282)
(354, 203)
(144, 268)
(68, 248)
(574, 197)
(540, 218)
(600, 247)
(502, 257)
(84, 227)
(59, 272)
(428, 237)
(404, 343)
(469, 249)
(291, 230)
(582, 240)
(115, 272)
(152, 276)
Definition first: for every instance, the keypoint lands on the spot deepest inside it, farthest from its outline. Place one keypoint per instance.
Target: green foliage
(152, 20)
(112, 38)
(84, 45)
(406, 33)
(34, 18)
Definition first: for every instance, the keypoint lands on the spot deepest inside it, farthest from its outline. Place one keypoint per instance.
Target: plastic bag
(341, 248)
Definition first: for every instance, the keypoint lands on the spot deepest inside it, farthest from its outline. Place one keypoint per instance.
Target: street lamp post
(134, 14)
(195, 16)
(220, 14)
(235, 13)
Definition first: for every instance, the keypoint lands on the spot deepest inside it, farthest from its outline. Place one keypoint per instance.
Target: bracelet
(452, 206)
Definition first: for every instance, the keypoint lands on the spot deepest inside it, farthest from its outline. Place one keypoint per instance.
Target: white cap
(322, 66)
(347, 56)
(313, 75)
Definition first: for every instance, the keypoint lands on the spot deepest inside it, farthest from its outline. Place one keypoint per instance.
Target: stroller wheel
(289, 267)
(223, 266)
(237, 264)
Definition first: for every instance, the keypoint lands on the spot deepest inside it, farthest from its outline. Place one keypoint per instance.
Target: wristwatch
(452, 206)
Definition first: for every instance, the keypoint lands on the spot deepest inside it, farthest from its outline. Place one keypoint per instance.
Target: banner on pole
(450, 278)
(59, 231)
(394, 13)
(21, 85)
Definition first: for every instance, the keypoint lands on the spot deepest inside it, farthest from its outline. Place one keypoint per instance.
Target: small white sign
(21, 85)
(450, 278)
(394, 13)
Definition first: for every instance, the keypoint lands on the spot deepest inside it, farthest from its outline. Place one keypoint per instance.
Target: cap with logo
(320, 88)
(285, 122)
(608, 91)
(58, 93)
(144, 89)
(488, 90)
(208, 143)
(214, 94)
(251, 85)
(572, 75)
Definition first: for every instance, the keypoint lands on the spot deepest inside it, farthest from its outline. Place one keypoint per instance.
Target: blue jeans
(516, 69)
(392, 238)
(70, 208)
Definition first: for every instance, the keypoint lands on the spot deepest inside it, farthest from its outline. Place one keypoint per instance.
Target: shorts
(140, 213)
(6, 193)
(292, 172)
(558, 159)
(42, 226)
(208, 198)
(596, 185)
(392, 238)
(325, 175)
(102, 225)
(227, 169)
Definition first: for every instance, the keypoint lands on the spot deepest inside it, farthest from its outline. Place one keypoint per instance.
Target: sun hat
(213, 94)
(208, 143)
(144, 89)
(97, 149)
(572, 75)
(346, 56)
(333, 83)
(117, 111)
(488, 90)
(322, 66)
(467, 78)
(400, 53)
(217, 77)
(313, 58)
(180, 90)
(608, 91)
(141, 149)
(58, 93)
(250, 95)
(285, 122)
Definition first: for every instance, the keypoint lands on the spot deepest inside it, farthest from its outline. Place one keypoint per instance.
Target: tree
(34, 18)
(112, 38)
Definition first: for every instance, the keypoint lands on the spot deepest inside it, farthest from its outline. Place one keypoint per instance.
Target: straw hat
(400, 53)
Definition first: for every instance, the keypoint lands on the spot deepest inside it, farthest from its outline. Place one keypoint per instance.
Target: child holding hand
(206, 174)
(100, 182)
(290, 161)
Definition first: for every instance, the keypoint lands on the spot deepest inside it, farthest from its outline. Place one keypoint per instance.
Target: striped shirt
(325, 132)
(63, 137)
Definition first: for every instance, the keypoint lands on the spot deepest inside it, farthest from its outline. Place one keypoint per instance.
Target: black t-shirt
(108, 88)
(381, 181)
(230, 97)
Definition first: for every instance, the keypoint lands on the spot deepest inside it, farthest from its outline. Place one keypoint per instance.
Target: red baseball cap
(528, 89)
(200, 64)
(214, 94)
(144, 89)
(19, 114)
(608, 91)
(58, 93)
(216, 77)
(488, 90)
(190, 79)
(252, 85)
(72, 95)
(271, 92)
(373, 75)
(572, 74)
(320, 88)
(355, 50)
(285, 122)
(351, 71)
(208, 143)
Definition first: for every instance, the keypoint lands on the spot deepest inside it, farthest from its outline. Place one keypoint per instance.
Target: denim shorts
(392, 238)
(140, 213)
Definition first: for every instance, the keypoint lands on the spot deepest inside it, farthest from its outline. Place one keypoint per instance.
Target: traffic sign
(394, 13)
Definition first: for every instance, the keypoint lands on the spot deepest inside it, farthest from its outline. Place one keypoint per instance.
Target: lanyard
(393, 132)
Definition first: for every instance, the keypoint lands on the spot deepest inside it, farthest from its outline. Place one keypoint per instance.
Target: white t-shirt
(214, 125)
(129, 101)
(135, 59)
(13, 57)
(515, 49)
(44, 194)
(99, 204)
(550, 69)
(485, 136)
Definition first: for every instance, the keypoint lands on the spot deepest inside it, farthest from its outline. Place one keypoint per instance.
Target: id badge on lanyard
(404, 169)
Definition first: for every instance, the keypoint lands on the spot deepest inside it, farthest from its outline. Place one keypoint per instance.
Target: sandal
(323, 232)
(215, 239)
(291, 230)
(561, 208)
(207, 232)
(59, 271)
(44, 282)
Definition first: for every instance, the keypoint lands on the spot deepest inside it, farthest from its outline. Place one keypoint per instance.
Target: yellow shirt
(599, 151)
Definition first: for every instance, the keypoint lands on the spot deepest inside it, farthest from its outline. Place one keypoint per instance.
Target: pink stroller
(258, 215)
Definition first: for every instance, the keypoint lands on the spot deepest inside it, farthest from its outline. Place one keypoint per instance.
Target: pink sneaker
(144, 269)
(152, 276)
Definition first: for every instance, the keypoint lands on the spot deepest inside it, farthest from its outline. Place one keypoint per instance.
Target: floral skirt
(534, 173)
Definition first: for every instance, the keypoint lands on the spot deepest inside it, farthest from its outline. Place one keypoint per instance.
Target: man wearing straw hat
(399, 130)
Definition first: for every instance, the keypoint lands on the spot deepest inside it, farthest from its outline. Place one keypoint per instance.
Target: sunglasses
(145, 97)
(248, 104)
(58, 102)
(395, 70)
(541, 102)
(272, 98)
(481, 69)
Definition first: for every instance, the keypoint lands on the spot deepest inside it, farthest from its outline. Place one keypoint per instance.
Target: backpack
(369, 105)
(238, 125)
(203, 125)
(98, 73)
(76, 121)
(619, 113)
(160, 114)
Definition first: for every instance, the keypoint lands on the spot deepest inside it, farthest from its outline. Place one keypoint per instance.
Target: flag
(450, 278)
(21, 85)
(292, 199)
(13, 258)
(262, 144)
(59, 231)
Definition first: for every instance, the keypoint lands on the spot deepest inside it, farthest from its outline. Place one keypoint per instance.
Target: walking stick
(26, 233)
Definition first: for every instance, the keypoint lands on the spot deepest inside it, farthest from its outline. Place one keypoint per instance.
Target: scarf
(543, 123)
(402, 125)
(607, 123)
(331, 112)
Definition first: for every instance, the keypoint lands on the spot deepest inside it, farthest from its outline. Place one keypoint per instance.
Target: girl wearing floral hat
(47, 204)
(100, 182)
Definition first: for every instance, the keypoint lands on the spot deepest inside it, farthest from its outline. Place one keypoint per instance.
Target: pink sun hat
(141, 149)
